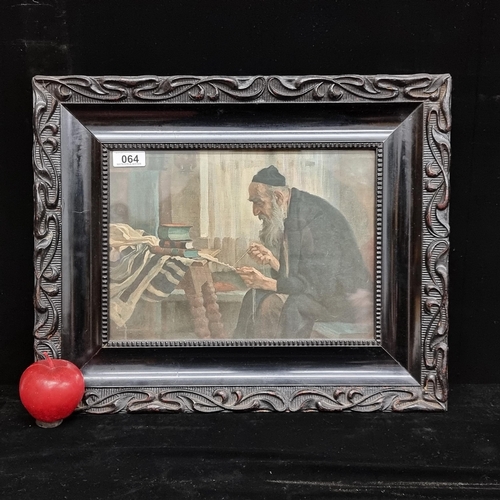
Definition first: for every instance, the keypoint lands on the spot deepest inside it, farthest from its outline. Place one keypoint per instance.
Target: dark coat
(324, 261)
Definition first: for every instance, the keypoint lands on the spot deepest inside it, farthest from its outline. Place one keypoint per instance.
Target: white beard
(271, 234)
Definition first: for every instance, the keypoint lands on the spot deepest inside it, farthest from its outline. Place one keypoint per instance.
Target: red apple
(51, 389)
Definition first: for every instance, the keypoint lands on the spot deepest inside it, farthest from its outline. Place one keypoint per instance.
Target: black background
(121, 37)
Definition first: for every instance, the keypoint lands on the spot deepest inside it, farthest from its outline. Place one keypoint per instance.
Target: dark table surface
(225, 456)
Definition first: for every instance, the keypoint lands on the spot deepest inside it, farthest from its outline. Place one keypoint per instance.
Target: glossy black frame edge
(429, 224)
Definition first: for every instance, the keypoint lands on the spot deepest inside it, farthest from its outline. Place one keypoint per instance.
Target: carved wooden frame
(63, 329)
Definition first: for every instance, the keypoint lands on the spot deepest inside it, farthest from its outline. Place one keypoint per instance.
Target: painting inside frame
(242, 244)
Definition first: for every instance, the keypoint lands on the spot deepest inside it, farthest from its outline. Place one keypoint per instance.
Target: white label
(129, 158)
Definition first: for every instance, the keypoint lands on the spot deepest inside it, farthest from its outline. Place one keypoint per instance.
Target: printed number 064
(130, 159)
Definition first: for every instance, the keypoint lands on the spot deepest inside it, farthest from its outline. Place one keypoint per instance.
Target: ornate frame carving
(55, 96)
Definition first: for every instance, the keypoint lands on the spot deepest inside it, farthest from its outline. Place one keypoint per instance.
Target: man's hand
(262, 255)
(255, 279)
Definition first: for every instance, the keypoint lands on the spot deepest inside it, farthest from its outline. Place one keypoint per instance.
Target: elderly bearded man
(318, 273)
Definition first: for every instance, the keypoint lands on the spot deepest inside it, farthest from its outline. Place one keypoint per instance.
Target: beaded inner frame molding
(405, 120)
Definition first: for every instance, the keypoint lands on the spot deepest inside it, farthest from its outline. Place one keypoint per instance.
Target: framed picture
(244, 243)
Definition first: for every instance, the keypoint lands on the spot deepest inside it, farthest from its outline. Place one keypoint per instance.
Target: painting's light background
(209, 190)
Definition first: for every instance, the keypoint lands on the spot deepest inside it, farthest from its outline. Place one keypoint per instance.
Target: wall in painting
(215, 244)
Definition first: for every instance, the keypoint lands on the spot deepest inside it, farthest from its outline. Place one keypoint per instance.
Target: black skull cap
(270, 176)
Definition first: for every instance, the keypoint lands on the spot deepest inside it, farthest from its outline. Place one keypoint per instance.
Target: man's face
(262, 201)
(268, 207)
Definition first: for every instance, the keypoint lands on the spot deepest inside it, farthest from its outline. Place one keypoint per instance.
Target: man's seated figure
(318, 273)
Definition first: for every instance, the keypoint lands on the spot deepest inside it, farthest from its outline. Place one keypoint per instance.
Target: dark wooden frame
(406, 119)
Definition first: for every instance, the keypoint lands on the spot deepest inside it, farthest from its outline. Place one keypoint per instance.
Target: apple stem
(49, 359)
